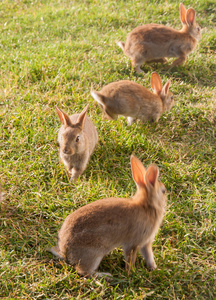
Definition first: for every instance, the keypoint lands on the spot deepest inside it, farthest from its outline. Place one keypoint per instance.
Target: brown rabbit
(133, 101)
(92, 231)
(155, 42)
(77, 139)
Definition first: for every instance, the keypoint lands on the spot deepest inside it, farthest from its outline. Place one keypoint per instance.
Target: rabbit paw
(151, 265)
(73, 179)
(138, 69)
(130, 120)
(75, 174)
(107, 276)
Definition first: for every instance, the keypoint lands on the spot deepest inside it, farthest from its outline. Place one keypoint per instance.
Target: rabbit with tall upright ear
(92, 231)
(77, 139)
(155, 42)
(134, 101)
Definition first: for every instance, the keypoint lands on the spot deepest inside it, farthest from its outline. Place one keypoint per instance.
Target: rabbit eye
(77, 139)
(163, 190)
(198, 29)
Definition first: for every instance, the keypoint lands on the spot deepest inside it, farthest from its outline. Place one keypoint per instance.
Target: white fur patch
(55, 253)
(97, 98)
(120, 45)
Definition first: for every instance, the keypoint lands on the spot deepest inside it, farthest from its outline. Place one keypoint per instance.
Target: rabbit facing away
(92, 231)
(155, 42)
(77, 138)
(134, 101)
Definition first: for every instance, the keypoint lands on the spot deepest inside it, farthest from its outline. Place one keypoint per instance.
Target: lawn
(54, 53)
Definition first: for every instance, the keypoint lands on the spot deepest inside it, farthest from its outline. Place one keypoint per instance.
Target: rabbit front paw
(151, 264)
(75, 173)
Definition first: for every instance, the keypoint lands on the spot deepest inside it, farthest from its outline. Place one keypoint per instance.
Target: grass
(54, 52)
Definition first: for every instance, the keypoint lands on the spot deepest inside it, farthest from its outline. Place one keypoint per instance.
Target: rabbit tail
(99, 98)
(121, 45)
(55, 251)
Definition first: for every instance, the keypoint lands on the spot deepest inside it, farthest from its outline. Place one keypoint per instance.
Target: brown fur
(155, 42)
(77, 139)
(134, 101)
(93, 230)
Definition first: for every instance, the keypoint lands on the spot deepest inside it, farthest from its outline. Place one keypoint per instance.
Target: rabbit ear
(82, 116)
(190, 16)
(64, 118)
(138, 171)
(151, 176)
(156, 83)
(165, 88)
(183, 12)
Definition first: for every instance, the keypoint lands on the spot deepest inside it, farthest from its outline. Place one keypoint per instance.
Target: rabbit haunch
(134, 101)
(155, 42)
(77, 139)
(92, 231)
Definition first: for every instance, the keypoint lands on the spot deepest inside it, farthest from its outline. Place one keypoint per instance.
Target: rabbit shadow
(115, 149)
(189, 73)
(186, 72)
(26, 241)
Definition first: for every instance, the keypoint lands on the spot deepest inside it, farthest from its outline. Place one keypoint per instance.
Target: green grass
(54, 52)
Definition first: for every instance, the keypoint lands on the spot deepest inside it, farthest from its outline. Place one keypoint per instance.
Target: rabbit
(155, 42)
(134, 101)
(92, 231)
(77, 138)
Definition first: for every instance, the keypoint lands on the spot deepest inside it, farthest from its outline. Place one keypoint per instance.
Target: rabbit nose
(66, 151)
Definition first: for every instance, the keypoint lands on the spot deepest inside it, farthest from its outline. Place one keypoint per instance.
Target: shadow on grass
(191, 137)
(24, 231)
(188, 73)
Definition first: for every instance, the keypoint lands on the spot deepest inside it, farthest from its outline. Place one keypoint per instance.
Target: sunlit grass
(55, 52)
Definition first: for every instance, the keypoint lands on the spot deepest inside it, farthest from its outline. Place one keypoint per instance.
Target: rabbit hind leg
(130, 254)
(88, 267)
(179, 61)
(86, 260)
(162, 60)
(136, 64)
